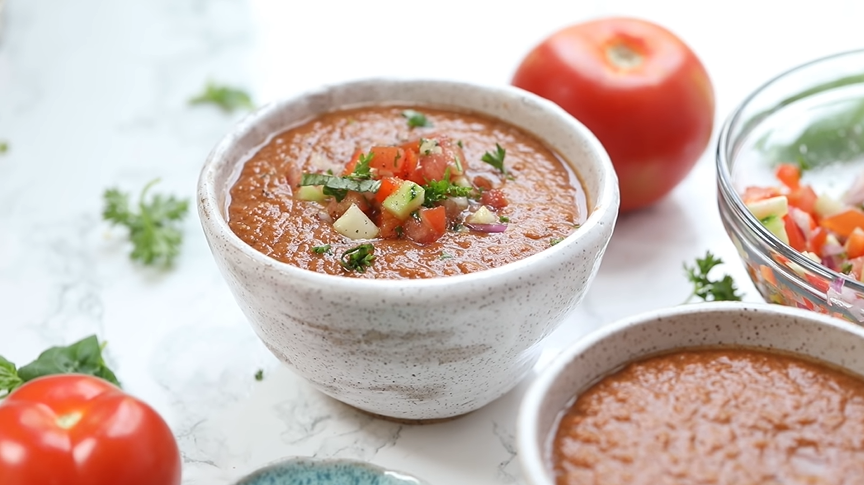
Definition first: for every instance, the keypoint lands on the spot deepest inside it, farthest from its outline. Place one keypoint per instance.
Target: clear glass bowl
(813, 113)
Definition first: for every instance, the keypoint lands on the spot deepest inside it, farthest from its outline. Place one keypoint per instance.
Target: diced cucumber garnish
(774, 206)
(776, 226)
(355, 224)
(314, 193)
(405, 200)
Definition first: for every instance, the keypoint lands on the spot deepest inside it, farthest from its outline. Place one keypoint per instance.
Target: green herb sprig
(82, 357)
(153, 228)
(358, 258)
(496, 159)
(227, 98)
(704, 287)
(416, 119)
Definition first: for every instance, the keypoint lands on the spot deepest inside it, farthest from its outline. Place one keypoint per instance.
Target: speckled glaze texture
(417, 349)
(311, 471)
(608, 349)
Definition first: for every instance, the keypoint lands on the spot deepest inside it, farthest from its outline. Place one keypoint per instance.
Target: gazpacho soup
(401, 192)
(718, 416)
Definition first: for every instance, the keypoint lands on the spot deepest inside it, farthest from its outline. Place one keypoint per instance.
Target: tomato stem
(623, 56)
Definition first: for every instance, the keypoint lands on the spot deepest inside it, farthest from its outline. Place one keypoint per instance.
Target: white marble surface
(93, 94)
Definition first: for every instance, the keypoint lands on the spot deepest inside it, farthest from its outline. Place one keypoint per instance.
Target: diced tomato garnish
(446, 159)
(428, 226)
(388, 225)
(804, 198)
(844, 223)
(337, 208)
(796, 236)
(789, 174)
(494, 198)
(817, 240)
(388, 186)
(753, 194)
(818, 282)
(388, 161)
(855, 243)
(349, 169)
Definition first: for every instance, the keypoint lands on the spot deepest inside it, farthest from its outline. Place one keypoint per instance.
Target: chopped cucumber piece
(355, 224)
(405, 200)
(482, 216)
(776, 226)
(314, 193)
(775, 206)
(827, 206)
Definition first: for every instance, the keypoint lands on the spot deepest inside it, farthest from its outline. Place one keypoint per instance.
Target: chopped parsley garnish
(361, 170)
(338, 187)
(153, 228)
(437, 190)
(225, 97)
(459, 143)
(445, 255)
(846, 268)
(259, 375)
(416, 119)
(4, 147)
(321, 249)
(704, 287)
(555, 240)
(496, 159)
(503, 219)
(358, 258)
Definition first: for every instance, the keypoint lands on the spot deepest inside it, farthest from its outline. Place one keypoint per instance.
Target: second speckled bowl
(413, 349)
(608, 349)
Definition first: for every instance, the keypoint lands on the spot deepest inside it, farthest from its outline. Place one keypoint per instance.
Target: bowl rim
(532, 457)
(318, 461)
(603, 212)
(736, 203)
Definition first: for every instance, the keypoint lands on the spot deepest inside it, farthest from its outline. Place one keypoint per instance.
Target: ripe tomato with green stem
(72, 429)
(639, 88)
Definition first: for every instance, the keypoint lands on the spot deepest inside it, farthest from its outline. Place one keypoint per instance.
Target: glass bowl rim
(736, 203)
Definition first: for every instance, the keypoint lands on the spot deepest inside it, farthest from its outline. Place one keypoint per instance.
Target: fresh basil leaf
(9, 379)
(340, 183)
(82, 357)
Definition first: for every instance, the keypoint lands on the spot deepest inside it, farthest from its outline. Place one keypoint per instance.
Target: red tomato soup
(404, 192)
(715, 417)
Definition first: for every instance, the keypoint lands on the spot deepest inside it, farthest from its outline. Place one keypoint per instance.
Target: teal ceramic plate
(312, 471)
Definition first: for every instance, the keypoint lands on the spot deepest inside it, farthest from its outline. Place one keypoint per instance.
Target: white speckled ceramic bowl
(412, 349)
(708, 324)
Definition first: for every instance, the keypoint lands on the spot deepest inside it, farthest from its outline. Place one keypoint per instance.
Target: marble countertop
(93, 94)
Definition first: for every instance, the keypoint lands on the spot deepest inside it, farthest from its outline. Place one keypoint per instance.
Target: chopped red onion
(832, 249)
(487, 227)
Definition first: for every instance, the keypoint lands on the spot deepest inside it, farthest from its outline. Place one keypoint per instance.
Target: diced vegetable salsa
(824, 228)
(416, 191)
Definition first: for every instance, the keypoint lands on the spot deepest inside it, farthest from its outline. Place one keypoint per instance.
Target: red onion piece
(487, 227)
(830, 249)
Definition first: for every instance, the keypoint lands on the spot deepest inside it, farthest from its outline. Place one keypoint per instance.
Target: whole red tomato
(638, 88)
(81, 430)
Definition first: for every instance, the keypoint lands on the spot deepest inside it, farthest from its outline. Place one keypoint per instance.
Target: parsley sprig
(153, 229)
(496, 159)
(437, 190)
(704, 287)
(358, 258)
(227, 98)
(416, 119)
(82, 357)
